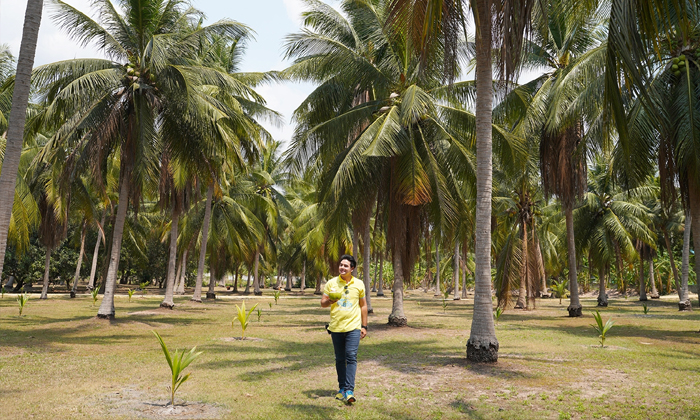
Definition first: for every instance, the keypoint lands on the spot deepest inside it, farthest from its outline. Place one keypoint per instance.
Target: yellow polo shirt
(345, 313)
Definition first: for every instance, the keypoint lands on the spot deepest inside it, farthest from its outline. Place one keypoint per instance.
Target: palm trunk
(47, 265)
(669, 249)
(18, 114)
(96, 254)
(540, 265)
(288, 287)
(654, 293)
(428, 262)
(76, 277)
(602, 293)
(482, 345)
(107, 306)
(302, 285)
(172, 263)
(437, 264)
(211, 291)
(180, 290)
(318, 285)
(522, 291)
(197, 295)
(642, 285)
(178, 275)
(278, 283)
(355, 248)
(455, 272)
(366, 256)
(247, 283)
(397, 317)
(380, 280)
(235, 279)
(684, 298)
(465, 255)
(256, 278)
(574, 303)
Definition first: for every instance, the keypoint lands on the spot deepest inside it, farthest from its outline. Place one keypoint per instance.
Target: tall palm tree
(611, 221)
(147, 97)
(405, 139)
(15, 130)
(654, 100)
(442, 20)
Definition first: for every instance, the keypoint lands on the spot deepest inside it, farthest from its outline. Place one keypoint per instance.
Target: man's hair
(350, 259)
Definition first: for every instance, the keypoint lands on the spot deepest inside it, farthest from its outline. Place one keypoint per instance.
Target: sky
(272, 21)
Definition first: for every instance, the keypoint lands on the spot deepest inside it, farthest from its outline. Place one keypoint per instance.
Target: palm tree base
(318, 293)
(103, 316)
(575, 311)
(167, 305)
(196, 300)
(257, 293)
(398, 321)
(72, 294)
(482, 352)
(211, 295)
(685, 306)
(603, 301)
(380, 294)
(643, 299)
(655, 296)
(287, 290)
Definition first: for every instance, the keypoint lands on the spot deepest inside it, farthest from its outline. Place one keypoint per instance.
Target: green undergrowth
(58, 361)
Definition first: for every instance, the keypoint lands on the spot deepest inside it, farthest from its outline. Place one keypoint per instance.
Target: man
(345, 295)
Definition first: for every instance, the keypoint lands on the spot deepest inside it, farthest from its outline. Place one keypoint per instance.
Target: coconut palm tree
(15, 126)
(408, 138)
(611, 221)
(148, 97)
(651, 89)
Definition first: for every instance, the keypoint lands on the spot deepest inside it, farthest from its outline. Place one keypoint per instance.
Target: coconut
(675, 60)
(674, 67)
(335, 295)
(676, 73)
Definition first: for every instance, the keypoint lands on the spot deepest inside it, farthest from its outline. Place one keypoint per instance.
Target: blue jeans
(345, 345)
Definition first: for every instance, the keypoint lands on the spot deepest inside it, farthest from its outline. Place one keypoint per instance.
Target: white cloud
(284, 98)
(53, 43)
(294, 10)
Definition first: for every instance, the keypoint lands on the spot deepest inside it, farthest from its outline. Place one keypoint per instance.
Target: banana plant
(243, 317)
(177, 362)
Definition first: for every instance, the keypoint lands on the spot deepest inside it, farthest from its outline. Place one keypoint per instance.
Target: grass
(60, 362)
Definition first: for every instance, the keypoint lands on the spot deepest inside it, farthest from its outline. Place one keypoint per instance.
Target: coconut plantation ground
(59, 361)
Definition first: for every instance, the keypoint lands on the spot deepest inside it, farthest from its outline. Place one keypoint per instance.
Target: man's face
(345, 267)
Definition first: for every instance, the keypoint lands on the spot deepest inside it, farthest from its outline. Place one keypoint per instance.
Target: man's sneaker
(340, 395)
(350, 397)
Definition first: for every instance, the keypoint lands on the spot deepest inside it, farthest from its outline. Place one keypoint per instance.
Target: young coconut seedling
(177, 362)
(645, 308)
(22, 300)
(602, 329)
(499, 312)
(243, 318)
(444, 301)
(2, 292)
(94, 294)
(560, 289)
(259, 314)
(131, 293)
(277, 296)
(143, 287)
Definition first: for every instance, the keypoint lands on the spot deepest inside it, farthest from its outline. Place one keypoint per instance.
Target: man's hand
(363, 333)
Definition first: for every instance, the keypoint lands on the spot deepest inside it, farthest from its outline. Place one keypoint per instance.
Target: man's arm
(363, 311)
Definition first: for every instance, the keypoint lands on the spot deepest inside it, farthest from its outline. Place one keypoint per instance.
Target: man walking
(345, 295)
